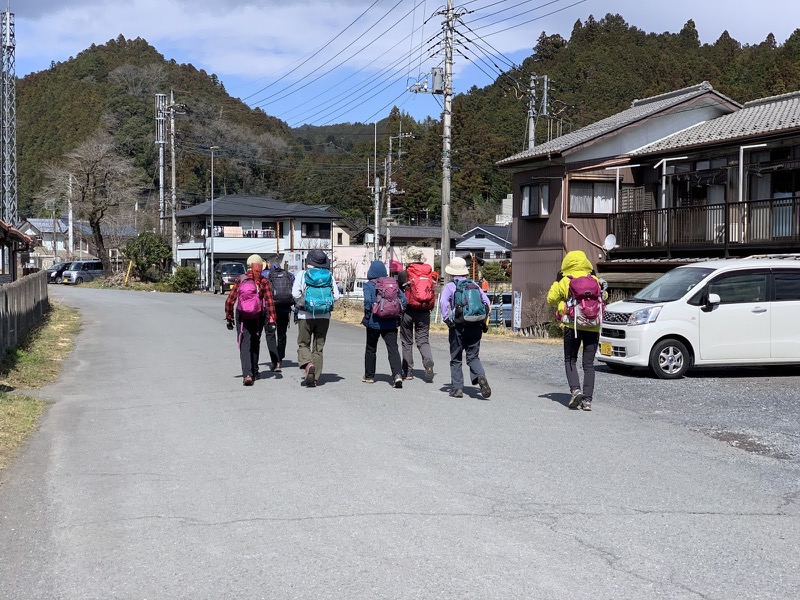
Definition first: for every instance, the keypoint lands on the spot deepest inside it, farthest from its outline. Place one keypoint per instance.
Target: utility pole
(161, 105)
(442, 83)
(211, 269)
(446, 133)
(391, 188)
(174, 201)
(71, 247)
(534, 112)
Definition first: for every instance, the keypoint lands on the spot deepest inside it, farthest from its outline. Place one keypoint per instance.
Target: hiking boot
(310, 372)
(429, 372)
(277, 367)
(586, 405)
(398, 381)
(366, 379)
(409, 376)
(456, 394)
(247, 380)
(273, 366)
(575, 399)
(486, 391)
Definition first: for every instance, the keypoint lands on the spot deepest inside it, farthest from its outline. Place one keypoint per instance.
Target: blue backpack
(318, 297)
(468, 306)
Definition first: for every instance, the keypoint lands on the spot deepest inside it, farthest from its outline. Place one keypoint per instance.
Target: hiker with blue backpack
(578, 297)
(465, 309)
(248, 308)
(314, 292)
(384, 305)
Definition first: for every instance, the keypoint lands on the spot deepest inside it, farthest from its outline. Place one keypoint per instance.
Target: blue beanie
(376, 269)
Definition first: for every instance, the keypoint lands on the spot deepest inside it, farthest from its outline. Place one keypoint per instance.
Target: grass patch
(18, 416)
(36, 362)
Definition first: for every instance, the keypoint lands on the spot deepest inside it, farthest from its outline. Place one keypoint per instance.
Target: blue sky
(333, 61)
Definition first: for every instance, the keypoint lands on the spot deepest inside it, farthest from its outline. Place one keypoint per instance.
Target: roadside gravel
(756, 409)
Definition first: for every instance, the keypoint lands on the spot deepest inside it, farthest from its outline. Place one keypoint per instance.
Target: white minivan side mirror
(714, 299)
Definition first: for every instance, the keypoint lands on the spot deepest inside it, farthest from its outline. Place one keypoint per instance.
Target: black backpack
(281, 282)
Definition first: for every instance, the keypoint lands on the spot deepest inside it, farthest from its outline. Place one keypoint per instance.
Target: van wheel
(79, 280)
(669, 359)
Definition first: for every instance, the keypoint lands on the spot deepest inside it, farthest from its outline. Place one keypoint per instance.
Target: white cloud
(247, 42)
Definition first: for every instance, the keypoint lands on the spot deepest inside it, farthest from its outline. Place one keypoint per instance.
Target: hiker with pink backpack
(248, 307)
(384, 305)
(579, 298)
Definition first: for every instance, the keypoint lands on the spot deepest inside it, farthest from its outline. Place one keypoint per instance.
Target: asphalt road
(155, 474)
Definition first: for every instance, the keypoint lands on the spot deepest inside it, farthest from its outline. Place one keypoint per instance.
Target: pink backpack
(584, 305)
(387, 299)
(249, 304)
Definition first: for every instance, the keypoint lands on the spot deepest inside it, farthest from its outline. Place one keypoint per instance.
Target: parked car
(82, 270)
(55, 272)
(714, 313)
(501, 309)
(225, 275)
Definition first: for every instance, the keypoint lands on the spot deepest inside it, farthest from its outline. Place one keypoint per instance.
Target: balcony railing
(243, 232)
(752, 223)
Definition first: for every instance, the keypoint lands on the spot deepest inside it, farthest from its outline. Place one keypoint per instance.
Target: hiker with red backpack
(419, 286)
(384, 305)
(248, 307)
(578, 297)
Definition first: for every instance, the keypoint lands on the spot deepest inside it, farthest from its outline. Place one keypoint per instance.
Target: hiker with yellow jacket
(576, 332)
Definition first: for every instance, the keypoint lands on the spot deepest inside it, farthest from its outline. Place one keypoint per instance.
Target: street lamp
(211, 269)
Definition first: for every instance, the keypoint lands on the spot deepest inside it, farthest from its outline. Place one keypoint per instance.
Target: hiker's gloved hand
(485, 326)
(229, 324)
(271, 327)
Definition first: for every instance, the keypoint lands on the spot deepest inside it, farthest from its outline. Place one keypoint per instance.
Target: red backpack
(584, 305)
(420, 291)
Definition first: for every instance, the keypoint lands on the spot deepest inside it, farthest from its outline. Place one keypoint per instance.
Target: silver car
(82, 270)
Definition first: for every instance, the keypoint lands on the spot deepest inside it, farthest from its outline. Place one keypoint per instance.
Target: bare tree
(101, 181)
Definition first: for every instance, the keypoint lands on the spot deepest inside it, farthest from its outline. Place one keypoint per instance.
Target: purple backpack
(387, 299)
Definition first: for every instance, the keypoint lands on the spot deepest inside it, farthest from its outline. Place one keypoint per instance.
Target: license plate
(605, 348)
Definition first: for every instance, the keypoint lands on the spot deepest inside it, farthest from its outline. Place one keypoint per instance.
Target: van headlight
(644, 315)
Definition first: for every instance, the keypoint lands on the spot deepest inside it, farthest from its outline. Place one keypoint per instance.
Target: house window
(536, 200)
(316, 230)
(340, 238)
(588, 197)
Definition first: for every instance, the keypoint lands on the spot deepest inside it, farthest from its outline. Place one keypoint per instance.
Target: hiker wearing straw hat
(465, 309)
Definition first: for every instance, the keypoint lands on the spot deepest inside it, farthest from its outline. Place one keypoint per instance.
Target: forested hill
(599, 70)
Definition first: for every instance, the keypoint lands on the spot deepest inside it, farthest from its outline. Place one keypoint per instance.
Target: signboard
(516, 321)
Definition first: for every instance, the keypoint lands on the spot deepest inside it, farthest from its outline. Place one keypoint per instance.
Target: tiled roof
(639, 110)
(767, 115)
(46, 225)
(259, 207)
(501, 232)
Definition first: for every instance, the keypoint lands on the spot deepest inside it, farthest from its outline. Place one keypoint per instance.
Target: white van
(714, 313)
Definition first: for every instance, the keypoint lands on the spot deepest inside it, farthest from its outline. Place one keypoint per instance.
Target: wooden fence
(23, 304)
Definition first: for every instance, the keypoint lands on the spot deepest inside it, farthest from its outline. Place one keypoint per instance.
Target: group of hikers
(400, 306)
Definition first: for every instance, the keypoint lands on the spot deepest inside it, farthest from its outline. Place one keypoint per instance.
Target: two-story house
(565, 189)
(231, 228)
